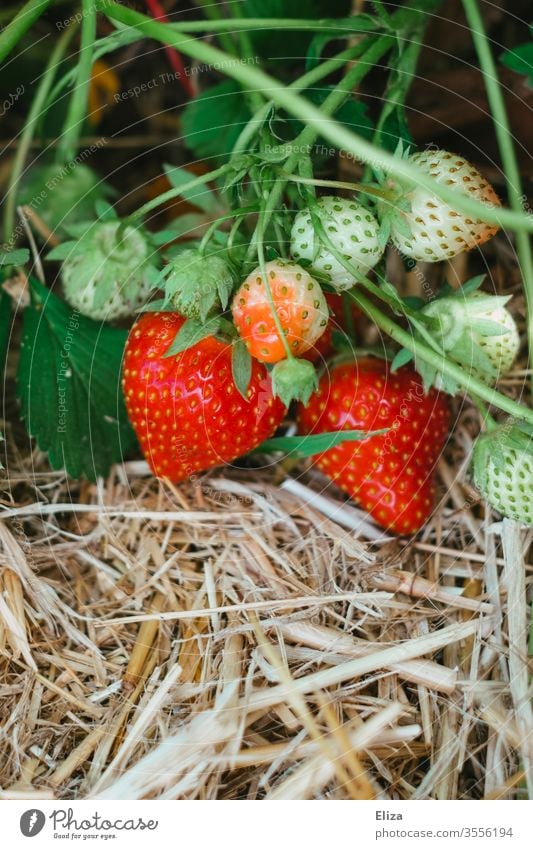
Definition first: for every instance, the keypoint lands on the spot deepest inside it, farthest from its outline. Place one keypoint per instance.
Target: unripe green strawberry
(353, 231)
(475, 330)
(108, 273)
(503, 472)
(429, 229)
(62, 195)
(196, 284)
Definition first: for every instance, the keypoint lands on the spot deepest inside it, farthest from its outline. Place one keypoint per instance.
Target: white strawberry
(353, 231)
(425, 228)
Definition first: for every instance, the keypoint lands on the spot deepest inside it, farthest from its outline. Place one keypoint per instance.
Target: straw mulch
(255, 636)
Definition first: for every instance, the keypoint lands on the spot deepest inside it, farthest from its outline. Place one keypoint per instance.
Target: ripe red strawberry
(186, 410)
(390, 475)
(299, 304)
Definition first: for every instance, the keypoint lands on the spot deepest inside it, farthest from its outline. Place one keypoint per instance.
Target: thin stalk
(28, 132)
(255, 99)
(317, 120)
(264, 275)
(66, 149)
(11, 35)
(474, 387)
(336, 184)
(507, 152)
(288, 24)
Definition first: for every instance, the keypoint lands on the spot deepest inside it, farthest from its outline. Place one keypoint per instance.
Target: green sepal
(294, 380)
(190, 333)
(241, 367)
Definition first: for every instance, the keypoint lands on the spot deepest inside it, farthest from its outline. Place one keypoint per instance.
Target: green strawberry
(108, 272)
(475, 330)
(503, 471)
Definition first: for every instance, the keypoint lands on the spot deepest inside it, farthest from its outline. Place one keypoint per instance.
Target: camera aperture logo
(32, 822)
(66, 826)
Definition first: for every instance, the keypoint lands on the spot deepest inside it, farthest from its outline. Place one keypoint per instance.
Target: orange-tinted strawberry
(389, 475)
(186, 409)
(299, 303)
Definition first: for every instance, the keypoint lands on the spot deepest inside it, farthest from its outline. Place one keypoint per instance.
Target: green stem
(335, 184)
(77, 110)
(333, 102)
(177, 192)
(314, 117)
(507, 151)
(32, 119)
(264, 275)
(11, 35)
(255, 99)
(470, 383)
(361, 24)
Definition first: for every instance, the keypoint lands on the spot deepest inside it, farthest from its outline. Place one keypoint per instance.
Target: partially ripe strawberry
(389, 475)
(503, 472)
(438, 231)
(298, 301)
(353, 231)
(185, 409)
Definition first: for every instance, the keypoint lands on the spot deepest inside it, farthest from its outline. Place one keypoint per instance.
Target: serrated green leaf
(18, 257)
(190, 333)
(68, 384)
(316, 443)
(241, 367)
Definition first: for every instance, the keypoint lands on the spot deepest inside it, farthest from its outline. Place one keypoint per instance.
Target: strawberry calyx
(294, 380)
(196, 285)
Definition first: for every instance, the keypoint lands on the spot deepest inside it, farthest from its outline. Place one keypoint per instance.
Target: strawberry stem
(313, 116)
(77, 108)
(507, 151)
(177, 192)
(23, 20)
(363, 188)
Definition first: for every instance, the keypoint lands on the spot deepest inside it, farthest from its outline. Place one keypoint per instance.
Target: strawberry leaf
(520, 59)
(316, 443)
(69, 386)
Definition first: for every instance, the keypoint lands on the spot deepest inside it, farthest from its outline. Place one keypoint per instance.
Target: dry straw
(240, 639)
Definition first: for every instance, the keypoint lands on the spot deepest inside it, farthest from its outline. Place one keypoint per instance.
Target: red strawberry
(390, 475)
(186, 410)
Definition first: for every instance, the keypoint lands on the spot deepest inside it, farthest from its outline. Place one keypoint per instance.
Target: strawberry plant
(248, 300)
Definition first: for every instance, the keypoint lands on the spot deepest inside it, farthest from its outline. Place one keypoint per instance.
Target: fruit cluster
(210, 369)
